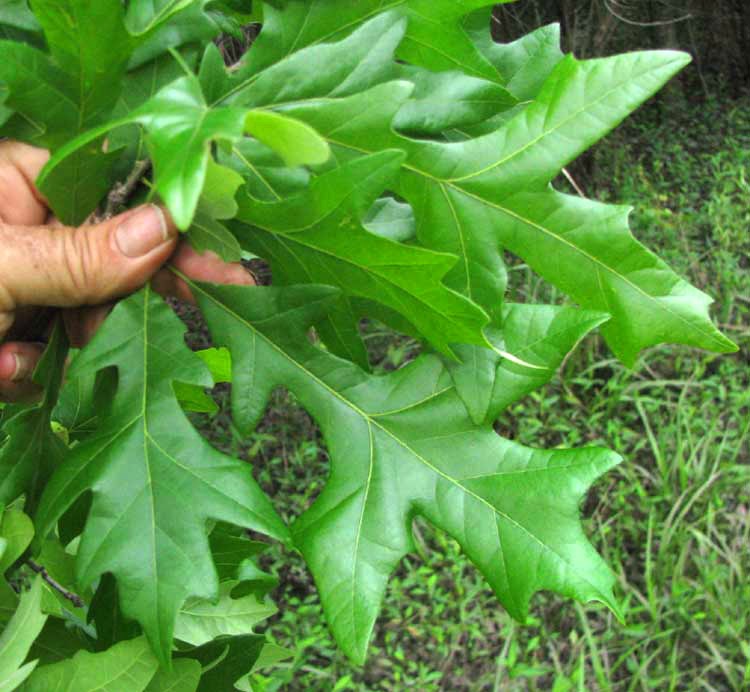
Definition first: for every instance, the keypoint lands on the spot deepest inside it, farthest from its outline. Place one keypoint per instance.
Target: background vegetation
(674, 519)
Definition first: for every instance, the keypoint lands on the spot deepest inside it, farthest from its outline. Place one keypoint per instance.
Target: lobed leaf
(181, 126)
(146, 464)
(16, 13)
(271, 74)
(18, 636)
(317, 237)
(524, 64)
(528, 347)
(399, 227)
(16, 532)
(128, 665)
(184, 677)
(475, 198)
(444, 100)
(201, 621)
(432, 25)
(513, 510)
(225, 661)
(32, 451)
(88, 41)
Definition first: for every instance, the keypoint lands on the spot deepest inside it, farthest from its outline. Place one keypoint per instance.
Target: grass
(673, 520)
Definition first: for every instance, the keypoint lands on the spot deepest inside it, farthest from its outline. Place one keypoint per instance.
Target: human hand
(44, 264)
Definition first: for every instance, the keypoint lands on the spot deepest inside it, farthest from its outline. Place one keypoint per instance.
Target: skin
(45, 265)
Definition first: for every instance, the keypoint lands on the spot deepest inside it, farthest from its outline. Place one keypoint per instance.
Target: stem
(122, 192)
(75, 599)
(572, 181)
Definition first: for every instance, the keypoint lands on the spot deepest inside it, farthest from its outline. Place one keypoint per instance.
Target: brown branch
(632, 22)
(75, 599)
(121, 192)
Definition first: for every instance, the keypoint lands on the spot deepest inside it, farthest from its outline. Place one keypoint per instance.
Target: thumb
(68, 267)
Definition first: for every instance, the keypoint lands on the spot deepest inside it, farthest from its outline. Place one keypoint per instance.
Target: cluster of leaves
(382, 157)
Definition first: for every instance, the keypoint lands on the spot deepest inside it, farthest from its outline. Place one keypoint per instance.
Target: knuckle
(82, 267)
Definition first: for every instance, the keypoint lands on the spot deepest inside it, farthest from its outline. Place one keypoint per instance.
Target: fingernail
(142, 232)
(24, 367)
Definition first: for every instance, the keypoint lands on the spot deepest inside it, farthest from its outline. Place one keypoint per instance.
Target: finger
(82, 323)
(18, 361)
(20, 202)
(20, 392)
(201, 267)
(90, 265)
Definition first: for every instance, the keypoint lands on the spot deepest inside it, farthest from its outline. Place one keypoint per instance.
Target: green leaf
(106, 615)
(145, 16)
(541, 335)
(318, 237)
(391, 219)
(16, 13)
(524, 64)
(17, 531)
(201, 621)
(57, 642)
(127, 666)
(270, 657)
(234, 556)
(206, 234)
(188, 25)
(339, 330)
(473, 198)
(138, 86)
(89, 42)
(181, 127)
(5, 113)
(267, 179)
(226, 660)
(435, 24)
(219, 191)
(32, 450)
(194, 399)
(272, 74)
(18, 636)
(507, 506)
(60, 565)
(183, 677)
(219, 363)
(528, 348)
(442, 100)
(3, 541)
(82, 401)
(144, 466)
(90, 48)
(213, 75)
(40, 93)
(75, 188)
(296, 142)
(432, 26)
